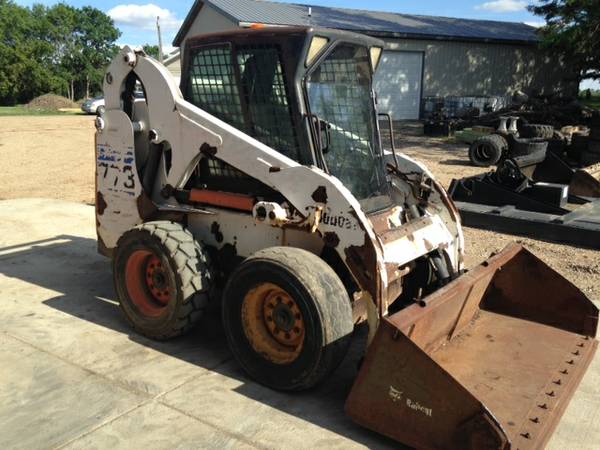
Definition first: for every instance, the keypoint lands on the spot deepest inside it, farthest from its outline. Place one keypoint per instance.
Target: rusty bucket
(489, 361)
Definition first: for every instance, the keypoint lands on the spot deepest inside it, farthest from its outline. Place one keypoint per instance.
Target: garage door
(398, 84)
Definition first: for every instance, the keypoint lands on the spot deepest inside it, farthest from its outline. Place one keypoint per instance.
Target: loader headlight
(317, 44)
(375, 56)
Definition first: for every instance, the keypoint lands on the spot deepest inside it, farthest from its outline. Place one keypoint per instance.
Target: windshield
(339, 93)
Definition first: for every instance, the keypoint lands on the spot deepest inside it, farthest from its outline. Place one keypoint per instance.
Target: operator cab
(304, 92)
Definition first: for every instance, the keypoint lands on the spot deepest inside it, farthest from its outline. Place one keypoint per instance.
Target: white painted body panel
(186, 128)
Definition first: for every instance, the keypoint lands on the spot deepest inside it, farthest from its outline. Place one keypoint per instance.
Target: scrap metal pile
(444, 116)
(546, 183)
(551, 110)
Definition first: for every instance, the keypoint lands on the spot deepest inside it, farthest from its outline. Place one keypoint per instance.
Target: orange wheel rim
(148, 283)
(273, 323)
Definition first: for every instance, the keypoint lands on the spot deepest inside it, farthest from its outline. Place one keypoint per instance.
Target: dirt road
(52, 157)
(47, 157)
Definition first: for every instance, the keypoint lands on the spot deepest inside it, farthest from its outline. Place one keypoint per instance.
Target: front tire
(287, 318)
(162, 278)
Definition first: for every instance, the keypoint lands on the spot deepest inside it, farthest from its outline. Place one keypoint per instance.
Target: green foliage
(151, 50)
(573, 31)
(59, 49)
(592, 102)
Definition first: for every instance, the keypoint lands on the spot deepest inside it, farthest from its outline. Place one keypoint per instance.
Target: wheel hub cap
(273, 323)
(148, 284)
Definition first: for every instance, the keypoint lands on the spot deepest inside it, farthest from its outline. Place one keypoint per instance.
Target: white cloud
(144, 17)
(501, 6)
(535, 24)
(590, 84)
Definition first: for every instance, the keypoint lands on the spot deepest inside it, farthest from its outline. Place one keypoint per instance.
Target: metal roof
(383, 24)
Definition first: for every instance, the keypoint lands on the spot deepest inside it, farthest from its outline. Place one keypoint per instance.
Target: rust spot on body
(320, 195)
(331, 239)
(362, 262)
(100, 203)
(146, 207)
(215, 229)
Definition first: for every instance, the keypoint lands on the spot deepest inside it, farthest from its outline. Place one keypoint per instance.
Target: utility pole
(160, 47)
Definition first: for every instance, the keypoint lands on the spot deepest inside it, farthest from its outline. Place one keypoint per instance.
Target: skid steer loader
(266, 179)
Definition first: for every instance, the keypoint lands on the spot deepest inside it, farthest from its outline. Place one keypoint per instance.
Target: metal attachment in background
(507, 200)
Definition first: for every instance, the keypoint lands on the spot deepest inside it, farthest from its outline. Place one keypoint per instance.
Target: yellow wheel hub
(273, 323)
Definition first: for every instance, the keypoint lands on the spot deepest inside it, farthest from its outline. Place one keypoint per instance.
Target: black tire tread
(322, 283)
(497, 142)
(527, 146)
(191, 267)
(533, 130)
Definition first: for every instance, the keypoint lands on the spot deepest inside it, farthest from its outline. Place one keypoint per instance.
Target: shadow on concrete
(71, 265)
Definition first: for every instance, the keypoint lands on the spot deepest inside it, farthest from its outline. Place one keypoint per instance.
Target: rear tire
(487, 150)
(287, 318)
(100, 110)
(162, 278)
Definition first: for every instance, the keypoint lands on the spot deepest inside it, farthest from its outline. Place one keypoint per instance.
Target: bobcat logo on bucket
(397, 395)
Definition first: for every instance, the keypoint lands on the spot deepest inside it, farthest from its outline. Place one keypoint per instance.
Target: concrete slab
(154, 426)
(47, 401)
(72, 373)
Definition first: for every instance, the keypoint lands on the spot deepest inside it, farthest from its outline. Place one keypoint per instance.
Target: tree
(151, 50)
(96, 38)
(84, 43)
(573, 31)
(25, 67)
(58, 49)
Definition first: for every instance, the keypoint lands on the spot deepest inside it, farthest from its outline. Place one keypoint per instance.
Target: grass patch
(21, 110)
(592, 102)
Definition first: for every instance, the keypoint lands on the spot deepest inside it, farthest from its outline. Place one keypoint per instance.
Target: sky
(137, 20)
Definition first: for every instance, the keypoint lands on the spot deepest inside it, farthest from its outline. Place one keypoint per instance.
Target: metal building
(424, 56)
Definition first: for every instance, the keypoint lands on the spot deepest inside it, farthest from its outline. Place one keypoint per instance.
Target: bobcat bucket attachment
(489, 361)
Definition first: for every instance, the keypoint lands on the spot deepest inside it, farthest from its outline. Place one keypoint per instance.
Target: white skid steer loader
(266, 180)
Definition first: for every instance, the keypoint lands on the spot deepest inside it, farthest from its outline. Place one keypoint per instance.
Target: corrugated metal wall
(456, 68)
(459, 68)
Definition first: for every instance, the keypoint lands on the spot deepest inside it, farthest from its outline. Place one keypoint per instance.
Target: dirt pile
(51, 102)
